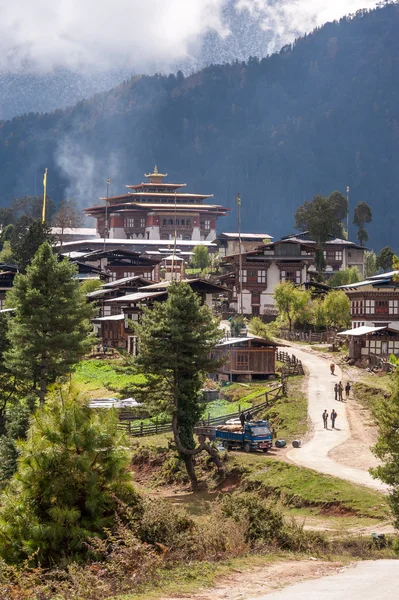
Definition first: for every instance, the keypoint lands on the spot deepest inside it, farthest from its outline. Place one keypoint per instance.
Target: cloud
(144, 35)
(288, 19)
(45, 35)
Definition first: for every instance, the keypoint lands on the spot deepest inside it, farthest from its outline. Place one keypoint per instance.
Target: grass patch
(102, 377)
(299, 487)
(369, 392)
(289, 415)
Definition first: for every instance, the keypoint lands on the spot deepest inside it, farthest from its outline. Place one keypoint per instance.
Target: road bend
(314, 453)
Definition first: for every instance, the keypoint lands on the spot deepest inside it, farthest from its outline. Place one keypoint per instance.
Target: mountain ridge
(319, 115)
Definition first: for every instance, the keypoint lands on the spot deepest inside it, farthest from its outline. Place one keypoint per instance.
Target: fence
(143, 430)
(318, 337)
(292, 365)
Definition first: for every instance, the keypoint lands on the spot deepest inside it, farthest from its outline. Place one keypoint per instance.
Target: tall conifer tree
(175, 343)
(49, 330)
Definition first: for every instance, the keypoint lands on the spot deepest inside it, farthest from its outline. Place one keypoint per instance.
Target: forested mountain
(320, 115)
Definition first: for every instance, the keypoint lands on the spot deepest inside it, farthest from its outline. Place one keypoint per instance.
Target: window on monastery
(164, 222)
(182, 221)
(164, 236)
(369, 307)
(255, 298)
(186, 236)
(242, 361)
(188, 222)
(207, 224)
(293, 276)
(147, 275)
(2, 303)
(142, 222)
(381, 307)
(244, 277)
(170, 222)
(177, 222)
(338, 255)
(262, 276)
(129, 223)
(393, 307)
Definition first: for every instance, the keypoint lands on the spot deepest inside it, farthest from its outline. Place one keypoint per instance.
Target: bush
(72, 471)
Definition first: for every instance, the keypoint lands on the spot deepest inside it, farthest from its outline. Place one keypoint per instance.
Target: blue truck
(255, 435)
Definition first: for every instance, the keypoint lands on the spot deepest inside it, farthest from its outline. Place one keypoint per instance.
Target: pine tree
(72, 472)
(175, 343)
(49, 330)
(362, 215)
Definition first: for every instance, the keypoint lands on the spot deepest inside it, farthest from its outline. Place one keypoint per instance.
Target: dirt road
(369, 580)
(314, 453)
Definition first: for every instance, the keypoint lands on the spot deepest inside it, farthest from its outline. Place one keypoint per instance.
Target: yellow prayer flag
(44, 196)
(238, 200)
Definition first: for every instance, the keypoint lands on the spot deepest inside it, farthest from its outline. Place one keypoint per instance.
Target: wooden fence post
(129, 427)
(156, 425)
(141, 428)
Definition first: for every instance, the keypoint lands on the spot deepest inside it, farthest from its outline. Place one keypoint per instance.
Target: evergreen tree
(72, 471)
(385, 260)
(175, 342)
(362, 216)
(48, 331)
(26, 239)
(322, 217)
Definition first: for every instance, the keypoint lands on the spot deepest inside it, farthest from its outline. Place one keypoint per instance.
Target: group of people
(339, 395)
(339, 391)
(333, 418)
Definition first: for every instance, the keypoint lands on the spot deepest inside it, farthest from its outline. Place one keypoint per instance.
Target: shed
(247, 358)
(365, 342)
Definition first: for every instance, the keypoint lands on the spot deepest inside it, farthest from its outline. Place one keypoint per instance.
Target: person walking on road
(347, 389)
(336, 391)
(332, 369)
(333, 418)
(325, 419)
(340, 391)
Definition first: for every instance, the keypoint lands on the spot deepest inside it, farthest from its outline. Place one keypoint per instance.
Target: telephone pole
(106, 213)
(347, 216)
(240, 251)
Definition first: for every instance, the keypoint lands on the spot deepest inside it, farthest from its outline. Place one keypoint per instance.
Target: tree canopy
(48, 332)
(200, 258)
(291, 302)
(384, 260)
(322, 217)
(362, 216)
(176, 339)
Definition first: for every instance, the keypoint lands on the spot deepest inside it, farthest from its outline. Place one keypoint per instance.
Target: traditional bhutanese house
(375, 301)
(262, 270)
(117, 333)
(248, 358)
(156, 210)
(229, 243)
(115, 289)
(366, 342)
(122, 262)
(339, 254)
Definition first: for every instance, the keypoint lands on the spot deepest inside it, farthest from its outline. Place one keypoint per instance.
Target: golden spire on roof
(156, 177)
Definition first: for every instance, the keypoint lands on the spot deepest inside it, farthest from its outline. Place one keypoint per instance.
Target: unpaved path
(256, 582)
(314, 454)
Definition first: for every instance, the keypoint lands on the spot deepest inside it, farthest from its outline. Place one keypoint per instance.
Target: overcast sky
(101, 34)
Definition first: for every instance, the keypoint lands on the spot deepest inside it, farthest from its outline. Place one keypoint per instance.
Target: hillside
(318, 116)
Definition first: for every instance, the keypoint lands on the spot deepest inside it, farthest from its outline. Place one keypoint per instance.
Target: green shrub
(72, 471)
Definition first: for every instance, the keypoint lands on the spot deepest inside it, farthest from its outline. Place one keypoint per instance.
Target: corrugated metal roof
(137, 297)
(364, 330)
(120, 317)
